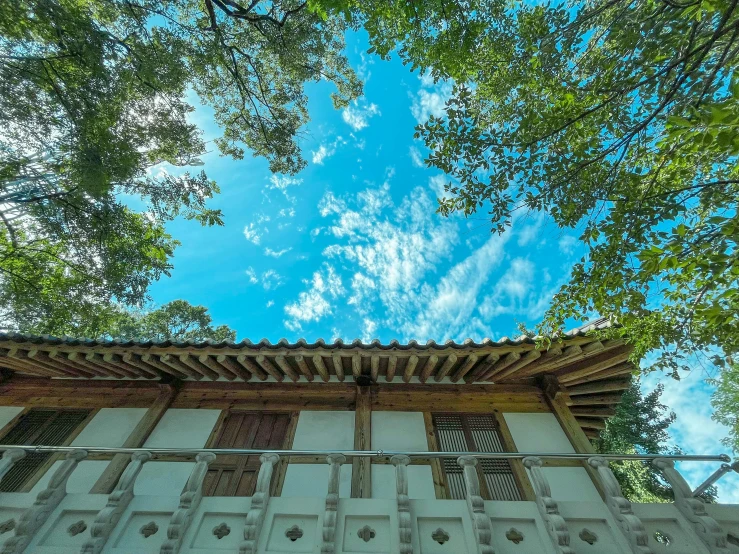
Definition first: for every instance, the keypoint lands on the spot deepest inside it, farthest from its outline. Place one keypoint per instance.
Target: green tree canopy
(92, 97)
(618, 119)
(725, 402)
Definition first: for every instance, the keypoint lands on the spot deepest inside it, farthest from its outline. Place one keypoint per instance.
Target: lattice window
(475, 433)
(38, 427)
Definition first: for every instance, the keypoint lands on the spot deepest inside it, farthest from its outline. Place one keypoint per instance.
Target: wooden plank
(118, 361)
(97, 359)
(338, 366)
(482, 368)
(321, 368)
(588, 366)
(237, 369)
(25, 367)
(465, 368)
(211, 364)
(193, 363)
(620, 369)
(303, 367)
(134, 361)
(42, 358)
(356, 365)
(410, 367)
(285, 367)
(279, 474)
(251, 367)
(392, 364)
(62, 359)
(519, 471)
(440, 486)
(107, 481)
(511, 370)
(446, 367)
(361, 471)
(590, 423)
(374, 368)
(78, 358)
(428, 368)
(175, 367)
(600, 386)
(500, 365)
(581, 411)
(569, 354)
(595, 400)
(167, 368)
(266, 365)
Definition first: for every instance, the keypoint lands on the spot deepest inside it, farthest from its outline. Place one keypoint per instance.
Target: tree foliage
(725, 402)
(617, 118)
(93, 96)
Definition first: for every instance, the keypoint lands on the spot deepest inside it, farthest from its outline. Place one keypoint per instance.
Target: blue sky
(352, 247)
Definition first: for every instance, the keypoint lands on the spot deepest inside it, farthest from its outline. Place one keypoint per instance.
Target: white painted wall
(327, 430)
(537, 433)
(7, 413)
(401, 431)
(163, 478)
(183, 428)
(312, 480)
(542, 433)
(110, 427)
(420, 482)
(81, 480)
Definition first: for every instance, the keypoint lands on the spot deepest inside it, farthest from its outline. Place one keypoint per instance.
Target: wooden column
(361, 474)
(557, 398)
(136, 439)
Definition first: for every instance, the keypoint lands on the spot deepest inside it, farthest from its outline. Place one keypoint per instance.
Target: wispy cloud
(416, 158)
(430, 99)
(567, 244)
(315, 303)
(252, 234)
(282, 183)
(269, 279)
(327, 150)
(286, 212)
(276, 253)
(356, 115)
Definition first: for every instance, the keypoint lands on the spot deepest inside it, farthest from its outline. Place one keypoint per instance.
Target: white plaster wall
(312, 480)
(327, 430)
(163, 478)
(183, 428)
(537, 433)
(571, 484)
(400, 431)
(110, 427)
(420, 482)
(80, 482)
(7, 413)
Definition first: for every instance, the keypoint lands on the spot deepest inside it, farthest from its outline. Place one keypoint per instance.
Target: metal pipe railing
(715, 476)
(369, 453)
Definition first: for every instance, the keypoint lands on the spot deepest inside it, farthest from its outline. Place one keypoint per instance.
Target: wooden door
(475, 433)
(236, 475)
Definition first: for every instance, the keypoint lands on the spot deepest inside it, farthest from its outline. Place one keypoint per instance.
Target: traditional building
(143, 447)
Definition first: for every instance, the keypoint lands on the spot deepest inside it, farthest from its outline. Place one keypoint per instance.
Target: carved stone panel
(366, 534)
(292, 533)
(440, 535)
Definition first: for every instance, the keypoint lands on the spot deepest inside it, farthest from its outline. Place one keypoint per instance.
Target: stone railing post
(630, 524)
(693, 509)
(258, 509)
(335, 461)
(118, 501)
(10, 456)
(476, 505)
(555, 523)
(189, 502)
(404, 504)
(46, 502)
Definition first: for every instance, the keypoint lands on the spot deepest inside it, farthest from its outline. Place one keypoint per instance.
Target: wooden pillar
(136, 439)
(361, 473)
(557, 398)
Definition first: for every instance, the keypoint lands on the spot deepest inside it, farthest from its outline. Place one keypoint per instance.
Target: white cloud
(430, 99)
(524, 290)
(531, 230)
(313, 305)
(276, 253)
(283, 183)
(269, 280)
(251, 274)
(287, 212)
(252, 234)
(270, 303)
(327, 150)
(356, 116)
(437, 183)
(567, 244)
(416, 157)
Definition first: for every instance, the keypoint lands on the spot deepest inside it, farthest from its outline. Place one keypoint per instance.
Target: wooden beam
(500, 365)
(356, 365)
(267, 366)
(392, 364)
(612, 399)
(374, 368)
(591, 423)
(251, 367)
(410, 367)
(107, 481)
(600, 386)
(511, 370)
(60, 358)
(440, 486)
(78, 358)
(468, 364)
(519, 471)
(303, 368)
(428, 369)
(172, 364)
(42, 359)
(361, 470)
(117, 361)
(588, 366)
(18, 365)
(446, 367)
(321, 368)
(193, 363)
(620, 369)
(211, 364)
(285, 367)
(568, 355)
(230, 364)
(582, 411)
(482, 368)
(97, 359)
(338, 366)
(133, 361)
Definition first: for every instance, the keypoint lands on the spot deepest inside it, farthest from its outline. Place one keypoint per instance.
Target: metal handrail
(370, 453)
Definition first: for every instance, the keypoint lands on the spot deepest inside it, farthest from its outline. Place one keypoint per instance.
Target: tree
(616, 118)
(92, 98)
(725, 401)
